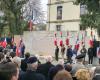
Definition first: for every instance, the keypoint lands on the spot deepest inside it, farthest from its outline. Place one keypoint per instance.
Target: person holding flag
(57, 48)
(57, 53)
(55, 40)
(22, 50)
(62, 51)
(90, 54)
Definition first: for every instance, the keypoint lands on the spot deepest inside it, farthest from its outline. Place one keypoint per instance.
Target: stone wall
(42, 42)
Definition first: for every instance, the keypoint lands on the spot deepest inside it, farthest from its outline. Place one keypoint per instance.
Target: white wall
(42, 42)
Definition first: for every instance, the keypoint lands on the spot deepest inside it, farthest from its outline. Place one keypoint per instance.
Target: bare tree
(33, 11)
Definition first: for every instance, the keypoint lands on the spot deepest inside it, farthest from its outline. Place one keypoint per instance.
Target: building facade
(63, 15)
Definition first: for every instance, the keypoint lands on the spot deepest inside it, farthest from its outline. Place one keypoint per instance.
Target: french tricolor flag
(55, 40)
(5, 43)
(18, 51)
(91, 42)
(77, 45)
(67, 39)
(91, 39)
(30, 25)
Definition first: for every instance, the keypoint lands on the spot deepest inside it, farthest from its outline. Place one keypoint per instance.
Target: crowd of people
(70, 53)
(19, 49)
(13, 67)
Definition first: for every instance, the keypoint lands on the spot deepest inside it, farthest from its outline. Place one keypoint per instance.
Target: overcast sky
(44, 3)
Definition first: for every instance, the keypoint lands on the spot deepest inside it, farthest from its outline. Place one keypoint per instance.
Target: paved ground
(95, 61)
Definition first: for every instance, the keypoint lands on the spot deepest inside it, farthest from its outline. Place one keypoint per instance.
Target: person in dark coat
(75, 51)
(68, 67)
(1, 57)
(57, 53)
(24, 62)
(31, 74)
(1, 48)
(12, 54)
(90, 54)
(62, 51)
(69, 54)
(83, 51)
(53, 71)
(22, 50)
(14, 47)
(44, 68)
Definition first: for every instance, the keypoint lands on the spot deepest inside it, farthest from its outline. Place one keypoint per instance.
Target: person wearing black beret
(78, 65)
(81, 56)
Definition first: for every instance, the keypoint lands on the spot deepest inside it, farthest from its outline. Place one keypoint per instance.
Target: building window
(58, 27)
(83, 9)
(59, 12)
